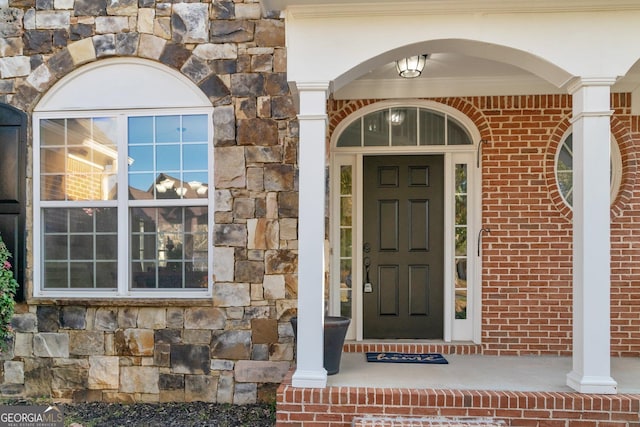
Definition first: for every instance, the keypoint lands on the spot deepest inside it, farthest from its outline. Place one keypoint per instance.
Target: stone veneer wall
(227, 349)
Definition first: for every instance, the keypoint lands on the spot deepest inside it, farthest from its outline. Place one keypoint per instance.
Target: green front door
(403, 254)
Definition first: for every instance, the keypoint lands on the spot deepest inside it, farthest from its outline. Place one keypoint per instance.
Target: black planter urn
(335, 330)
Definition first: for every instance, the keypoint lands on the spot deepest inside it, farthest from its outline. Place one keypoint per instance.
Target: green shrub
(8, 287)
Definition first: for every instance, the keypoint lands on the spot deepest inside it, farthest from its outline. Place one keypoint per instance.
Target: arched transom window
(404, 126)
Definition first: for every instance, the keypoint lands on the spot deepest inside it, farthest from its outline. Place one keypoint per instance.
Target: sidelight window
(346, 239)
(461, 246)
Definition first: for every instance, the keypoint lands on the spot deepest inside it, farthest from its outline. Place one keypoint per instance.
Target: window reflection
(457, 134)
(432, 126)
(80, 248)
(167, 157)
(78, 159)
(405, 126)
(169, 247)
(461, 303)
(174, 155)
(461, 243)
(376, 129)
(404, 129)
(346, 226)
(168, 129)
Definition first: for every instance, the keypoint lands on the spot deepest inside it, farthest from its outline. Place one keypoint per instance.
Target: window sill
(122, 301)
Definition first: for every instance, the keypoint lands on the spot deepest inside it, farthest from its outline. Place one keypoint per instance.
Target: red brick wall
(84, 182)
(527, 257)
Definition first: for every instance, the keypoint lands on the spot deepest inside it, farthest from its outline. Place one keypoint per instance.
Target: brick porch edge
(338, 406)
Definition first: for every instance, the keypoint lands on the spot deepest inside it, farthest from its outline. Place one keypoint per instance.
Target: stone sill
(123, 302)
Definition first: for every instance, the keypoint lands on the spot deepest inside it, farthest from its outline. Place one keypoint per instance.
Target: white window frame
(123, 205)
(468, 329)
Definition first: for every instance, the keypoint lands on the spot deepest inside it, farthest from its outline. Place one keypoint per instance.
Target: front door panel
(403, 246)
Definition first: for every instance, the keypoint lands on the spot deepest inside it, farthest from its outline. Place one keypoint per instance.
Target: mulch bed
(192, 414)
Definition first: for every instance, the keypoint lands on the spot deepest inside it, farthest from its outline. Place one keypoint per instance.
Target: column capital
(578, 83)
(311, 99)
(591, 96)
(313, 86)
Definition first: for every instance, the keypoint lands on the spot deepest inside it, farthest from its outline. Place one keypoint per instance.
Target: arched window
(121, 195)
(405, 126)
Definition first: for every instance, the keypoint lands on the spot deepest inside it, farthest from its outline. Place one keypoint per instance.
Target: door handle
(368, 287)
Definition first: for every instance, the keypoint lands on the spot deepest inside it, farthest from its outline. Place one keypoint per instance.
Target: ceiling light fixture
(412, 66)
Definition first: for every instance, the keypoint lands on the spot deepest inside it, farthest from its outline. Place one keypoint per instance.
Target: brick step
(382, 421)
(444, 348)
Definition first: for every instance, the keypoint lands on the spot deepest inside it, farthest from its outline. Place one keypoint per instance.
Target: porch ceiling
(452, 74)
(448, 74)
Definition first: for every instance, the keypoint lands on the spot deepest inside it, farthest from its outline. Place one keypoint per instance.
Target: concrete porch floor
(477, 372)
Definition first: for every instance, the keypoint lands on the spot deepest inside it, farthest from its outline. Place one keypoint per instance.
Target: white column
(591, 237)
(310, 371)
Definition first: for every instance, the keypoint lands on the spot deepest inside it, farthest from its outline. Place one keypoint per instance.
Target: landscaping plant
(8, 287)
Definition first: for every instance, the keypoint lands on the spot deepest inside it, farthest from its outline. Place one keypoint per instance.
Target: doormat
(433, 358)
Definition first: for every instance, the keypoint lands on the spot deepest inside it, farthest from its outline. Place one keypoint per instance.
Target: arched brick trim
(622, 135)
(550, 168)
(470, 109)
